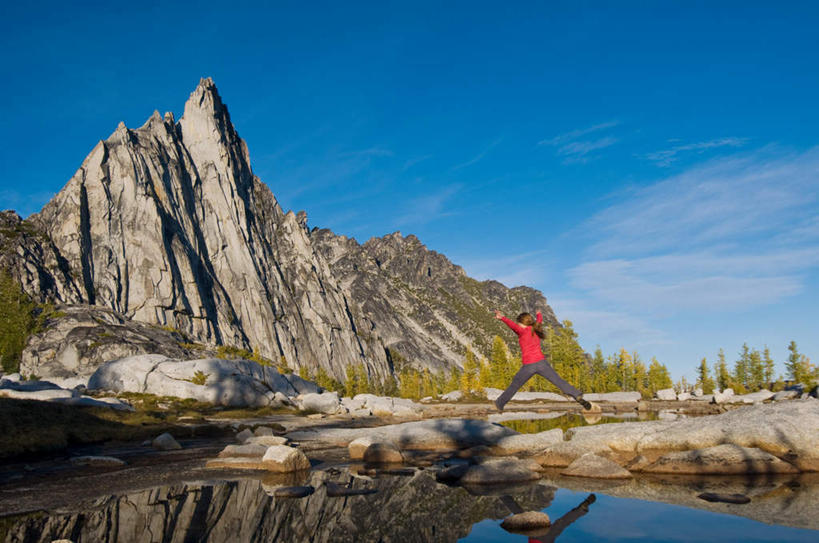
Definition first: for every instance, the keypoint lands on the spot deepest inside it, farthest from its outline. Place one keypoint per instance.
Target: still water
(627, 519)
(410, 507)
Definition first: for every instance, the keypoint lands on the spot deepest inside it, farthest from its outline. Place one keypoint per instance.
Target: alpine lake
(169, 496)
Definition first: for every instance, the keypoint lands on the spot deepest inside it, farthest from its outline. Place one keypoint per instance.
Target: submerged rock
(97, 461)
(165, 442)
(738, 499)
(244, 435)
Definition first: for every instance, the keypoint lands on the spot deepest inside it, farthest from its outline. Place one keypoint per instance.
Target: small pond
(565, 421)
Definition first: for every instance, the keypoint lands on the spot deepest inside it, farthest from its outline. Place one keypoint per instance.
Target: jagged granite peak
(167, 224)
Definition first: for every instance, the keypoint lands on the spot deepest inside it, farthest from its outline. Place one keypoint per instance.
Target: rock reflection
(550, 533)
(405, 509)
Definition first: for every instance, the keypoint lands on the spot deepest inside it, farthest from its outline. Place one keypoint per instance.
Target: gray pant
(527, 372)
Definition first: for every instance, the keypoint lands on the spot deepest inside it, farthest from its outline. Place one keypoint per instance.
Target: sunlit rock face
(404, 509)
(167, 224)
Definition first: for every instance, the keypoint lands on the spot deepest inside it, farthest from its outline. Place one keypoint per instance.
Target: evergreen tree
(658, 376)
(793, 366)
(756, 371)
(350, 381)
(704, 378)
(768, 363)
(598, 372)
(723, 375)
(741, 367)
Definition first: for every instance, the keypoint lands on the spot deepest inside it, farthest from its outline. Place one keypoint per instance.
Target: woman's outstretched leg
(546, 370)
(524, 374)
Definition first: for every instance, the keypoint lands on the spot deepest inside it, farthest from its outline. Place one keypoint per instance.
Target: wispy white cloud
(753, 196)
(429, 207)
(728, 235)
(610, 327)
(413, 161)
(577, 150)
(376, 151)
(477, 158)
(666, 157)
(527, 268)
(576, 134)
(672, 282)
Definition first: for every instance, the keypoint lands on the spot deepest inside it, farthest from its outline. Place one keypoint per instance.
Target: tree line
(619, 371)
(754, 370)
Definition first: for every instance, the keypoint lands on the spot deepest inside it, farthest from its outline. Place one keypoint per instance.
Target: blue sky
(652, 167)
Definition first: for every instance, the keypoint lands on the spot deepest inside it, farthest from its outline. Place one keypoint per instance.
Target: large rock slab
(613, 397)
(281, 458)
(235, 383)
(500, 471)
(666, 394)
(382, 406)
(596, 467)
(720, 460)
(787, 430)
(753, 397)
(527, 443)
(325, 402)
(526, 396)
(431, 434)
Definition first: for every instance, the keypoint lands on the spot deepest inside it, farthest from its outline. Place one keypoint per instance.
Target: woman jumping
(530, 332)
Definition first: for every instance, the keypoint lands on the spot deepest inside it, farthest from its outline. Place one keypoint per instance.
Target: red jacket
(528, 339)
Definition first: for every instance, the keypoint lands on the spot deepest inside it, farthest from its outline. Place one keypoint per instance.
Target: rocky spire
(167, 224)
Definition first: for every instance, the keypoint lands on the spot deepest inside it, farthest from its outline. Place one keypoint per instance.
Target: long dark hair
(527, 319)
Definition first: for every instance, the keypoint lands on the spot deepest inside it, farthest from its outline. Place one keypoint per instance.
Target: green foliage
(199, 378)
(659, 377)
(20, 318)
(704, 379)
(800, 368)
(724, 379)
(326, 381)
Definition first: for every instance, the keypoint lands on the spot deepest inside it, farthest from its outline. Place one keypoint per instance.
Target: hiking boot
(498, 406)
(585, 403)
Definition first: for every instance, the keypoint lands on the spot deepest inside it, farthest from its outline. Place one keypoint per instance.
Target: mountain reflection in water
(414, 507)
(405, 509)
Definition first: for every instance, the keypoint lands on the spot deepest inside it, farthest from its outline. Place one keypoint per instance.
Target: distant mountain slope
(167, 224)
(426, 308)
